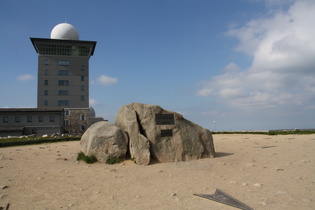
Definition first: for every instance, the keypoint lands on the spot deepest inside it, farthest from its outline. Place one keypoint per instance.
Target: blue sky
(225, 65)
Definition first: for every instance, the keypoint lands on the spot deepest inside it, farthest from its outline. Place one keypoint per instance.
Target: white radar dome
(64, 31)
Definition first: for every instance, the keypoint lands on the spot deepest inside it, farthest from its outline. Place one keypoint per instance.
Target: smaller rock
(281, 192)
(4, 187)
(277, 169)
(173, 194)
(257, 185)
(305, 161)
(1, 196)
(221, 163)
(232, 182)
(263, 204)
(244, 184)
(65, 159)
(70, 205)
(306, 200)
(249, 164)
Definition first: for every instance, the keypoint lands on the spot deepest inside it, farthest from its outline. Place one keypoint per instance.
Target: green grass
(23, 139)
(34, 140)
(271, 132)
(88, 159)
(113, 160)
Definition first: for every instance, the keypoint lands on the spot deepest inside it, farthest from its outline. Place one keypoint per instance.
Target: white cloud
(25, 77)
(93, 102)
(106, 80)
(283, 67)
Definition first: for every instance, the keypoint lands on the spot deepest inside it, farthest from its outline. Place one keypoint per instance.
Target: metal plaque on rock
(164, 119)
(165, 133)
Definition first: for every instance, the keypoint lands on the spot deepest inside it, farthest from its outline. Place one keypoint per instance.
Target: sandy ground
(264, 172)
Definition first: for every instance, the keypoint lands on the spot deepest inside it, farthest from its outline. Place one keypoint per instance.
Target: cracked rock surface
(164, 140)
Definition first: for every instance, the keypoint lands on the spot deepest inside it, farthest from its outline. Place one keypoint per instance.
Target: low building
(27, 121)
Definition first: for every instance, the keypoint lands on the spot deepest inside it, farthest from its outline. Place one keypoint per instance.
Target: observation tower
(63, 68)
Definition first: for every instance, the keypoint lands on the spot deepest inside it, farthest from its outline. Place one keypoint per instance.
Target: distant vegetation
(5, 142)
(270, 132)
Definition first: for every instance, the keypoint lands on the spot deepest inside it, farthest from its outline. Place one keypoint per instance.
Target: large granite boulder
(163, 135)
(105, 141)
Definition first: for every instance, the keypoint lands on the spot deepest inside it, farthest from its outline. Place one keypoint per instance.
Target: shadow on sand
(222, 154)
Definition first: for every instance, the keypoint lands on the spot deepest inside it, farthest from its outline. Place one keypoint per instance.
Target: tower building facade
(63, 68)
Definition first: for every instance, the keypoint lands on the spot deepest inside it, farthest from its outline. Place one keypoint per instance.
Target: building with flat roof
(63, 68)
(27, 121)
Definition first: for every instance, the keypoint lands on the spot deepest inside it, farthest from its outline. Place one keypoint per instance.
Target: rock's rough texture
(105, 141)
(139, 145)
(182, 139)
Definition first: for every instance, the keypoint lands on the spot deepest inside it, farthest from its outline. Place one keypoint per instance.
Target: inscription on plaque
(165, 133)
(164, 119)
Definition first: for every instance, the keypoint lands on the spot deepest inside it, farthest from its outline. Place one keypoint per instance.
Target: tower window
(82, 98)
(46, 72)
(45, 82)
(45, 103)
(82, 67)
(40, 119)
(64, 63)
(67, 112)
(29, 118)
(17, 119)
(52, 118)
(82, 117)
(46, 62)
(45, 92)
(67, 122)
(82, 88)
(63, 72)
(5, 119)
(63, 92)
(63, 82)
(63, 103)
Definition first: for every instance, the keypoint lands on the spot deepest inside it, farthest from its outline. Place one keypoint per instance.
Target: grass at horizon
(271, 132)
